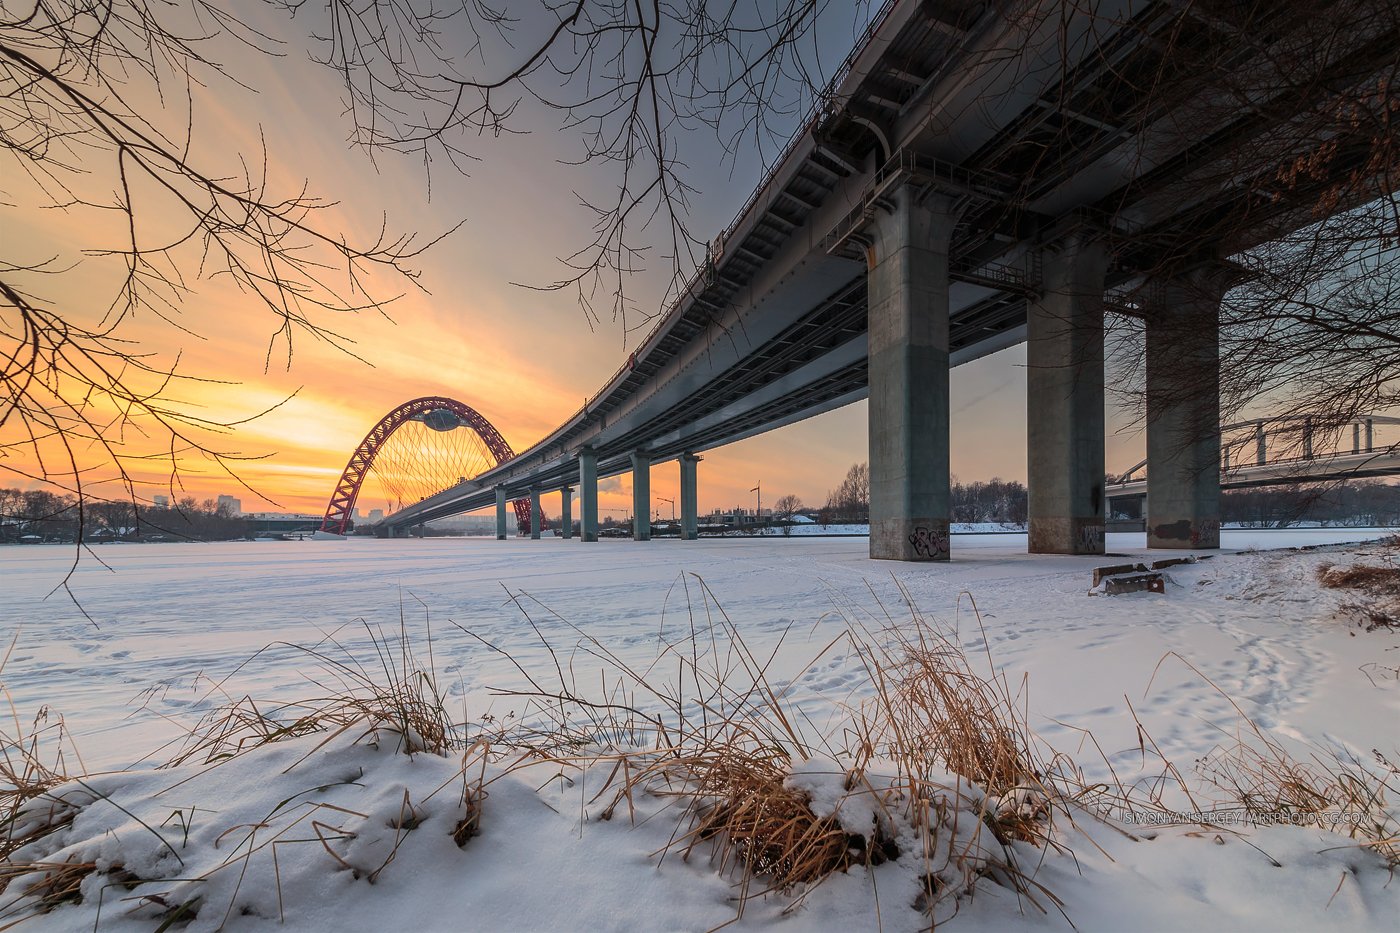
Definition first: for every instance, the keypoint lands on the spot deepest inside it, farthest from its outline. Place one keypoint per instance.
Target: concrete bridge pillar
(500, 513)
(641, 496)
(907, 259)
(1065, 399)
(566, 511)
(1183, 412)
(535, 518)
(690, 519)
(588, 494)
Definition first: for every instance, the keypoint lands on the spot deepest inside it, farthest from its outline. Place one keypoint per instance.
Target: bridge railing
(1308, 431)
(821, 107)
(1304, 436)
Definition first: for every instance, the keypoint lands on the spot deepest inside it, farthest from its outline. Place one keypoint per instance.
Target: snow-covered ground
(167, 632)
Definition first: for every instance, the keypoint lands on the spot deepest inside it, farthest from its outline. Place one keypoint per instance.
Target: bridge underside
(1032, 192)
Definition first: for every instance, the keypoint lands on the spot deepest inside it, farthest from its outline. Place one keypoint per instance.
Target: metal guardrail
(1302, 424)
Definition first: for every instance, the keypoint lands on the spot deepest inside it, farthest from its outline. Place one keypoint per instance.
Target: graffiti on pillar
(1207, 530)
(1091, 537)
(929, 544)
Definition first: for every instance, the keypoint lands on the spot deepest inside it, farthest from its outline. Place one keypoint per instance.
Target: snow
(312, 830)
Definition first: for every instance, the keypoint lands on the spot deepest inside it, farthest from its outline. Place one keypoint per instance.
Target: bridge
(1252, 455)
(977, 175)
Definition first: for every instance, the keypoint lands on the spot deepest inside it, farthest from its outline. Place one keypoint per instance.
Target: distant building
(161, 502)
(376, 515)
(737, 516)
(232, 505)
(281, 522)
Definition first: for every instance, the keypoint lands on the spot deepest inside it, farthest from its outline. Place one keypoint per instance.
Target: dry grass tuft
(1333, 790)
(1377, 589)
(937, 710)
(1375, 581)
(969, 766)
(942, 755)
(33, 764)
(766, 827)
(473, 796)
(395, 695)
(48, 884)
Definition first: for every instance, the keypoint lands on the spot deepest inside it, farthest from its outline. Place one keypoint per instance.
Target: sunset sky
(525, 359)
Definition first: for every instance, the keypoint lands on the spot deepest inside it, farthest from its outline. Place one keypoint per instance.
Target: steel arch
(342, 504)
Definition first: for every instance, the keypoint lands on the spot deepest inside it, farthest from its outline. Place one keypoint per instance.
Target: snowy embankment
(544, 736)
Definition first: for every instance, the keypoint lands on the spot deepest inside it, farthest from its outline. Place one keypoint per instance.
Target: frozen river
(165, 622)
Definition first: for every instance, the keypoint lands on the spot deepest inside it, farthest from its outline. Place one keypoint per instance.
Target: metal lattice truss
(435, 413)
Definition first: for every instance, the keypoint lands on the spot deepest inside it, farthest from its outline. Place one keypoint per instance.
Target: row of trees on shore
(37, 515)
(1360, 503)
(1352, 502)
(995, 500)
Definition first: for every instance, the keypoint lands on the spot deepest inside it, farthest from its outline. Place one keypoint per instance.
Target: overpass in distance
(1247, 460)
(916, 223)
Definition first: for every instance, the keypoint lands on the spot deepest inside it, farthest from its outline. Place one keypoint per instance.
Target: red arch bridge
(415, 449)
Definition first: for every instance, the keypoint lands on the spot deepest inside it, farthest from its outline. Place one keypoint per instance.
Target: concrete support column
(500, 513)
(907, 258)
(690, 519)
(641, 496)
(536, 518)
(1065, 399)
(1183, 412)
(566, 511)
(588, 494)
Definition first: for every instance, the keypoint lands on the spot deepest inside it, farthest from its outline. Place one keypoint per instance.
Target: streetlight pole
(673, 507)
(758, 507)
